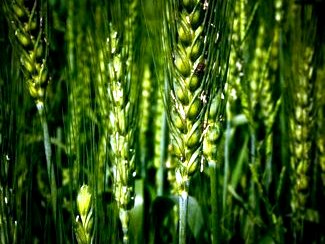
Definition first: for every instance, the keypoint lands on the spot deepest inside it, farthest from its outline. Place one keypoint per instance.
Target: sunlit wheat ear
(121, 140)
(123, 95)
(186, 94)
(84, 221)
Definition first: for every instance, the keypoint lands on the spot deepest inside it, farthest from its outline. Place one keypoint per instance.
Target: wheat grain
(214, 127)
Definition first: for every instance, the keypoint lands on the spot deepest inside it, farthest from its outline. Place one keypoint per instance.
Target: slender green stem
(124, 217)
(48, 155)
(253, 196)
(226, 168)
(163, 153)
(216, 233)
(183, 207)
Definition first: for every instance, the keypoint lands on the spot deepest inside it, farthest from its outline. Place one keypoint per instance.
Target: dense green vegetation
(177, 121)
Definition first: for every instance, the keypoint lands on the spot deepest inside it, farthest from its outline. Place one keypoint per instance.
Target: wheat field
(166, 121)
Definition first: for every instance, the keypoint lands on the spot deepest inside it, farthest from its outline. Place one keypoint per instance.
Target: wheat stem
(183, 208)
(48, 155)
(227, 159)
(216, 213)
(28, 27)
(162, 159)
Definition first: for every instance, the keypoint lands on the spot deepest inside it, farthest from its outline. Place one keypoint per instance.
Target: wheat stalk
(212, 136)
(8, 226)
(27, 26)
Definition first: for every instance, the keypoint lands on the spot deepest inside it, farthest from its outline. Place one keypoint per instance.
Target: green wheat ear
(301, 131)
(186, 90)
(185, 96)
(194, 54)
(302, 106)
(123, 94)
(30, 38)
(84, 221)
